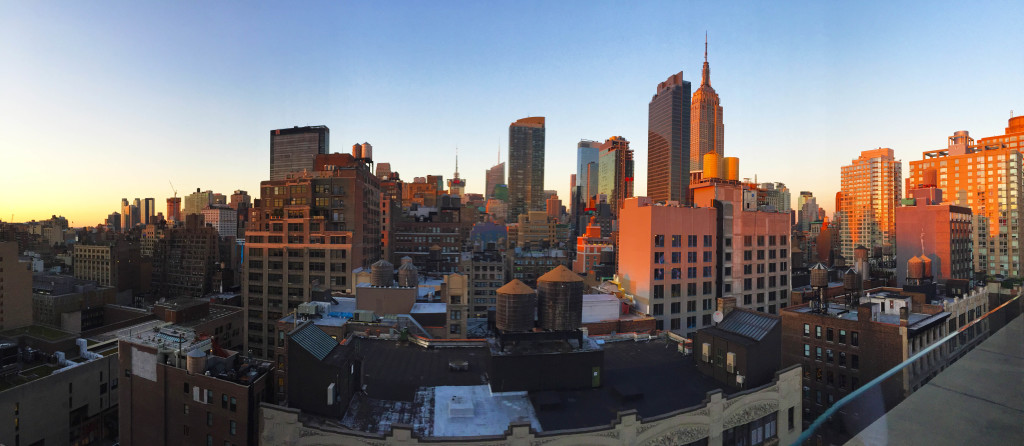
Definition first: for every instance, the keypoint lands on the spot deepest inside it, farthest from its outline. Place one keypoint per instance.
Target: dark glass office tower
(293, 150)
(526, 166)
(668, 141)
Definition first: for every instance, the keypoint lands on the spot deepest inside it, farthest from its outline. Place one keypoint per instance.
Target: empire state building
(707, 133)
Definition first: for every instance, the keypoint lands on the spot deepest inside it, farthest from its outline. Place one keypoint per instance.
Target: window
(792, 418)
(691, 257)
(659, 273)
(677, 257)
(186, 409)
(829, 356)
(691, 306)
(842, 359)
(187, 389)
(854, 362)
(691, 241)
(817, 353)
(233, 427)
(707, 241)
(658, 309)
(209, 440)
(659, 241)
(223, 401)
(659, 291)
(659, 257)
(209, 418)
(807, 330)
(807, 350)
(828, 335)
(842, 336)
(677, 290)
(455, 329)
(234, 404)
(676, 307)
(707, 256)
(854, 338)
(677, 273)
(691, 272)
(817, 332)
(677, 241)
(691, 289)
(707, 271)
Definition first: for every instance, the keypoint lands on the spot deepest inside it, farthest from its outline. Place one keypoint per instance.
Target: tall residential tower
(871, 186)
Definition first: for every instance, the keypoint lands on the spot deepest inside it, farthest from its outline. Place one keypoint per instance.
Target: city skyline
(189, 98)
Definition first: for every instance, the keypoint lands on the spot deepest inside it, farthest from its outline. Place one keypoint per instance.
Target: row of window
(677, 273)
(677, 241)
(658, 291)
(830, 335)
(830, 357)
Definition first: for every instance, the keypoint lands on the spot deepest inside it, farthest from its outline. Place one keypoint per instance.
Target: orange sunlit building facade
(985, 176)
(871, 189)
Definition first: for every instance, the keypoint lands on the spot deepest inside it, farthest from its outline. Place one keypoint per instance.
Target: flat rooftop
(663, 378)
(990, 410)
(395, 372)
(335, 315)
(915, 321)
(443, 411)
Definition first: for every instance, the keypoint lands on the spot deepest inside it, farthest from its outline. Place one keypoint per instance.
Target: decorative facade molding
(682, 435)
(750, 413)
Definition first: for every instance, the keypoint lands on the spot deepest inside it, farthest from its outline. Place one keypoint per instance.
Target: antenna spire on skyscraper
(705, 46)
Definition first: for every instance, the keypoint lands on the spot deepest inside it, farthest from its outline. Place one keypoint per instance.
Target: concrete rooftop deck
(979, 400)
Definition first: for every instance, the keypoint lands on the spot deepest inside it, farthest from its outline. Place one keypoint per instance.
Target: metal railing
(834, 409)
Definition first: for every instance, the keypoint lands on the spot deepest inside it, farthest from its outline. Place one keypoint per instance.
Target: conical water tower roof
(515, 287)
(560, 274)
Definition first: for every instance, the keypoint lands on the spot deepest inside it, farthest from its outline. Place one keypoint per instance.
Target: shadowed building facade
(668, 141)
(525, 166)
(293, 150)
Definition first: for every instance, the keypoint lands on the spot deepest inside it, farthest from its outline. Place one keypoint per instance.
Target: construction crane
(172, 188)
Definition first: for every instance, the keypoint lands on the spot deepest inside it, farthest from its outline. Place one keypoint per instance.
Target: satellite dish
(718, 316)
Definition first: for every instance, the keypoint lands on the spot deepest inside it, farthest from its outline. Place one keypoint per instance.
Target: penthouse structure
(307, 232)
(984, 175)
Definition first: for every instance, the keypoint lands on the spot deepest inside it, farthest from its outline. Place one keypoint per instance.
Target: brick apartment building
(307, 233)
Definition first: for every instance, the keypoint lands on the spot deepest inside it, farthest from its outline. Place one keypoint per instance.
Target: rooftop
(995, 403)
(657, 377)
(395, 372)
(444, 411)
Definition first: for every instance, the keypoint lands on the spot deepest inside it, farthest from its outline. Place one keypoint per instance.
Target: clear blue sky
(104, 100)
